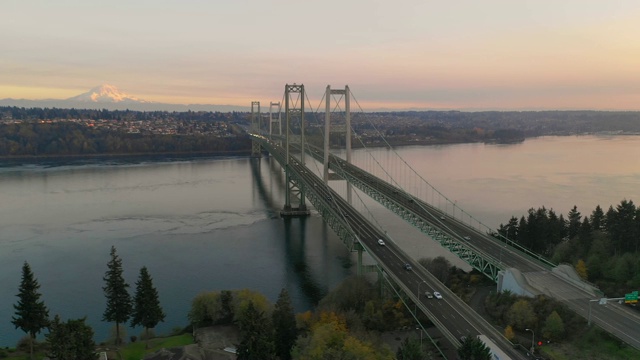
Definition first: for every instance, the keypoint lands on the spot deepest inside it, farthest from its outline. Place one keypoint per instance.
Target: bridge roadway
(619, 320)
(453, 317)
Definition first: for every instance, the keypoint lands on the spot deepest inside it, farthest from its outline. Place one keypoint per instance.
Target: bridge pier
(300, 211)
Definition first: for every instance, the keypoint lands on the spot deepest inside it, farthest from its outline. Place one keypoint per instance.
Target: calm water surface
(212, 224)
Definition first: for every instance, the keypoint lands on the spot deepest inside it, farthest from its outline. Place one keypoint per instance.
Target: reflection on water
(197, 225)
(212, 224)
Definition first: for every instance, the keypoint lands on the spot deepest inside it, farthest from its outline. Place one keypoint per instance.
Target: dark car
(407, 267)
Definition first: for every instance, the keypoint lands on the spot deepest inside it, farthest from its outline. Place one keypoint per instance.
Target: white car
(442, 217)
(380, 242)
(437, 295)
(467, 238)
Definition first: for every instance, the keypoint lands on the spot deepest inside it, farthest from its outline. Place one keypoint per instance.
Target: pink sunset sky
(402, 54)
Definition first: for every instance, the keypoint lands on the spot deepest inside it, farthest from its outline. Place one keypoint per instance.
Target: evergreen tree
(573, 222)
(585, 237)
(255, 335)
(31, 314)
(146, 305)
(119, 305)
(71, 340)
(284, 324)
(474, 349)
(597, 218)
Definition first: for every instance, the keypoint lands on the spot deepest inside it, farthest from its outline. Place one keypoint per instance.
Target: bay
(212, 223)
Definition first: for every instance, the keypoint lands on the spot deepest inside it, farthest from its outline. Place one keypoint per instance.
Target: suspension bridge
(416, 201)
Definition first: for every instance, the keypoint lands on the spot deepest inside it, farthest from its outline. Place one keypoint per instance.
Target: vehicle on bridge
(437, 295)
(381, 242)
(496, 353)
(428, 295)
(407, 267)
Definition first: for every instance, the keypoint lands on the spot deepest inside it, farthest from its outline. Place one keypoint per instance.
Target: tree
(31, 314)
(284, 324)
(225, 314)
(474, 349)
(581, 269)
(119, 305)
(329, 338)
(410, 350)
(146, 305)
(255, 335)
(573, 222)
(71, 340)
(203, 307)
(553, 327)
(597, 218)
(509, 333)
(521, 314)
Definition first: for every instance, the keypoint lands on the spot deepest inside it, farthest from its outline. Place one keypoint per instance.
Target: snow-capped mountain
(110, 98)
(106, 93)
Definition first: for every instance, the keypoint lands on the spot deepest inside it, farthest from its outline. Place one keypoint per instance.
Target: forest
(603, 246)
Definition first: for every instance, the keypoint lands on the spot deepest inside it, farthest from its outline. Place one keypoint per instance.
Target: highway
(618, 320)
(452, 316)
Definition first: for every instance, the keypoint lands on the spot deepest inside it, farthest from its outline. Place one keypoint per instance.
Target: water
(212, 224)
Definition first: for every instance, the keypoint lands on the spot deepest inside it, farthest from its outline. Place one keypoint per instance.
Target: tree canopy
(119, 305)
(146, 305)
(31, 314)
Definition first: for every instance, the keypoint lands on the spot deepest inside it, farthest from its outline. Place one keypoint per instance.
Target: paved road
(451, 315)
(617, 320)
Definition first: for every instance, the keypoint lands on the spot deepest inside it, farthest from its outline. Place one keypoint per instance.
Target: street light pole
(420, 329)
(533, 341)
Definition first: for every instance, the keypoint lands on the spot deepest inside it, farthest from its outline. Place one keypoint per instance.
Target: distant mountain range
(109, 97)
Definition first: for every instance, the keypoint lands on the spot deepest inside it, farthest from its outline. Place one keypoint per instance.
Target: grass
(132, 351)
(594, 344)
(136, 350)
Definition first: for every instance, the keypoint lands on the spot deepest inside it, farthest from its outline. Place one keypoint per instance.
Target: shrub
(144, 336)
(23, 344)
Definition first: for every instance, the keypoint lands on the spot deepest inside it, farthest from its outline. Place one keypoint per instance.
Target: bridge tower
(255, 127)
(278, 120)
(327, 130)
(292, 111)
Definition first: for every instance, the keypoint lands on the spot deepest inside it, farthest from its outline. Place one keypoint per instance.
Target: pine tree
(255, 335)
(284, 323)
(119, 305)
(71, 340)
(31, 314)
(146, 305)
(474, 349)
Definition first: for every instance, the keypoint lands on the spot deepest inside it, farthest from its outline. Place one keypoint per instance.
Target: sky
(400, 54)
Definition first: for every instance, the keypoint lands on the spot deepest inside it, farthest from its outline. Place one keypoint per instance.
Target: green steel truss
(333, 218)
(480, 261)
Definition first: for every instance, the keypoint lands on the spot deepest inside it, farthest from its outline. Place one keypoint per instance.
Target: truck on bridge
(496, 353)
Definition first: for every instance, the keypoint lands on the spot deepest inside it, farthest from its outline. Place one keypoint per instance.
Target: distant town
(101, 129)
